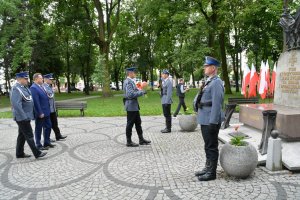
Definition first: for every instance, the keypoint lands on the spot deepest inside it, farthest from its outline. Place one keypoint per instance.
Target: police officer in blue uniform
(131, 93)
(22, 107)
(53, 115)
(210, 116)
(166, 99)
(42, 112)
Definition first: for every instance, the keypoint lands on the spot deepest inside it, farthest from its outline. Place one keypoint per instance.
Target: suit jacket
(41, 100)
(167, 89)
(50, 94)
(22, 103)
(213, 92)
(131, 93)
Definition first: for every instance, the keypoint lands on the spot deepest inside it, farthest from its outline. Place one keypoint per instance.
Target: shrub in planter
(238, 158)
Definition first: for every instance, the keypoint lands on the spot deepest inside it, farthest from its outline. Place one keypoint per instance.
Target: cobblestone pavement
(93, 163)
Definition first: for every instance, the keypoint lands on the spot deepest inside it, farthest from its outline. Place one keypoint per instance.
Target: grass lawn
(113, 106)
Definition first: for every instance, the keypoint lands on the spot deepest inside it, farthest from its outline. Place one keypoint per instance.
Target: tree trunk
(58, 85)
(106, 91)
(193, 79)
(68, 67)
(152, 78)
(224, 62)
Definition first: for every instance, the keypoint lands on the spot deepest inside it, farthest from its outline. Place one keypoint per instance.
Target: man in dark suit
(22, 107)
(210, 116)
(53, 115)
(42, 113)
(131, 93)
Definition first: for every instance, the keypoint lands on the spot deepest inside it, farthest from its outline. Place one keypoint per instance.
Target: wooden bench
(243, 101)
(71, 105)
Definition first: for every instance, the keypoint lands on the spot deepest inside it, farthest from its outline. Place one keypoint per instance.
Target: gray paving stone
(94, 163)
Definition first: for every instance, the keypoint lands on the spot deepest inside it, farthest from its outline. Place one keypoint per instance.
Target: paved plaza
(94, 163)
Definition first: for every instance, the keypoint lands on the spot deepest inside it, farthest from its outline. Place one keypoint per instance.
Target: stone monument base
(287, 121)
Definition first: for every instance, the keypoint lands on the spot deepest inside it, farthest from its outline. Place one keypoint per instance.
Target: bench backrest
(243, 100)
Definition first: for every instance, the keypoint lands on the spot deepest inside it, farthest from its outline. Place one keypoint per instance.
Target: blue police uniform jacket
(22, 103)
(167, 90)
(41, 100)
(214, 93)
(131, 93)
(50, 94)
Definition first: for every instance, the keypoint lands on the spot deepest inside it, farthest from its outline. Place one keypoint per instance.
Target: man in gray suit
(22, 107)
(210, 116)
(47, 85)
(131, 93)
(166, 99)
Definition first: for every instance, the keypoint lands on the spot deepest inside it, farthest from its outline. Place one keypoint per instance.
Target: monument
(287, 89)
(259, 120)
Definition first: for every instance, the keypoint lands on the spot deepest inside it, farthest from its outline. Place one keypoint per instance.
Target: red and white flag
(253, 82)
(246, 80)
(268, 78)
(272, 87)
(263, 86)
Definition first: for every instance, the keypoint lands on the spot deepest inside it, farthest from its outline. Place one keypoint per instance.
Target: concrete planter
(188, 122)
(238, 161)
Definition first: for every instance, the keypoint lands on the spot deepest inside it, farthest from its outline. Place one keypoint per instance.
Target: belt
(206, 104)
(126, 99)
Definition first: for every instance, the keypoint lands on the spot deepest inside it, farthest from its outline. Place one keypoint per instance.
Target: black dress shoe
(144, 142)
(42, 154)
(61, 137)
(166, 130)
(43, 148)
(132, 144)
(24, 156)
(50, 145)
(51, 140)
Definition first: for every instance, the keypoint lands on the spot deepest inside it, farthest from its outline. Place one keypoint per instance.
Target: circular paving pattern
(94, 163)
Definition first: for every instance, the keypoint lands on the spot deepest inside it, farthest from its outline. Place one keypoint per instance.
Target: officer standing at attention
(166, 99)
(48, 78)
(22, 108)
(180, 91)
(210, 116)
(42, 112)
(131, 93)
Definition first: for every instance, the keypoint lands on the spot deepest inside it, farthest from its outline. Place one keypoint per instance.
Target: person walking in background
(131, 93)
(166, 99)
(47, 85)
(210, 115)
(22, 108)
(42, 112)
(181, 89)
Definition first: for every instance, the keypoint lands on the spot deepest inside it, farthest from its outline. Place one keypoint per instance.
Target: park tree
(107, 19)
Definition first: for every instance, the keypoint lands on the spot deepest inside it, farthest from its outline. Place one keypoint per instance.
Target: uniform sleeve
(131, 93)
(16, 101)
(36, 101)
(217, 93)
(169, 91)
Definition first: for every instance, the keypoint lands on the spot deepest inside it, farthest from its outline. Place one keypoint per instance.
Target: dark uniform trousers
(167, 113)
(181, 103)
(133, 118)
(53, 118)
(210, 136)
(25, 133)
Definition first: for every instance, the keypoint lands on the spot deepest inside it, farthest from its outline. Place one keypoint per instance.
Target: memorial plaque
(287, 89)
